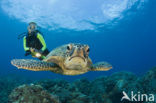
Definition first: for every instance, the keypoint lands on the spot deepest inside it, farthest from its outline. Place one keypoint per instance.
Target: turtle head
(76, 56)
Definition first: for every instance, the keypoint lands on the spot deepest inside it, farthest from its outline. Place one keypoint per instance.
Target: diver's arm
(40, 37)
(25, 44)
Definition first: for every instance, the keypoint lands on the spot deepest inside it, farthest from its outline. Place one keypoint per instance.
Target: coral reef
(8, 83)
(101, 90)
(31, 94)
(148, 82)
(67, 92)
(109, 89)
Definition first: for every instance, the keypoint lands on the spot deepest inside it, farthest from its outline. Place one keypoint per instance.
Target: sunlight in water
(67, 14)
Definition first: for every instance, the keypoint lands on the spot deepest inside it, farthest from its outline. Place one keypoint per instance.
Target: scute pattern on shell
(59, 51)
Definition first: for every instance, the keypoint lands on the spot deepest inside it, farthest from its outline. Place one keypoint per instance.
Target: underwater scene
(78, 51)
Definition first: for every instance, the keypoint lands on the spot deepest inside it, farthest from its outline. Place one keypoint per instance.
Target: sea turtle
(68, 59)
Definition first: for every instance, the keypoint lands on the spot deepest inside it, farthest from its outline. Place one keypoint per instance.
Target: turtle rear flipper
(101, 66)
(34, 65)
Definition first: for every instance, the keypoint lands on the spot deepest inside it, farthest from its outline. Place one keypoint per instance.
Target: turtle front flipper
(34, 65)
(101, 66)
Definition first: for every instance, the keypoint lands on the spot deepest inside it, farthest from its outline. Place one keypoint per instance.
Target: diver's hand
(36, 53)
(36, 50)
(32, 49)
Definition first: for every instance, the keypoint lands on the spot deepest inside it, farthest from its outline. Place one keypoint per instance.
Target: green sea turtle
(68, 59)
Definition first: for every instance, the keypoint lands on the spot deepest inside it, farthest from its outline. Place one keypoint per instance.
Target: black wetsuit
(33, 42)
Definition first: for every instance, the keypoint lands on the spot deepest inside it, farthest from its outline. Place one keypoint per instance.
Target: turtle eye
(88, 50)
(68, 48)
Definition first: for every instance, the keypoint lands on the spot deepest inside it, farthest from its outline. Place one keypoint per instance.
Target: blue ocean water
(128, 43)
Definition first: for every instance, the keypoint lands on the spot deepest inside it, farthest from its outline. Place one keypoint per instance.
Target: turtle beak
(77, 52)
(77, 56)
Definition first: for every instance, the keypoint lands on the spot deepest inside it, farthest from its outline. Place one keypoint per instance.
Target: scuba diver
(34, 43)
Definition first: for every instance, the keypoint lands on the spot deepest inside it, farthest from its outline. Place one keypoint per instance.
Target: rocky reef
(101, 90)
(8, 83)
(31, 94)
